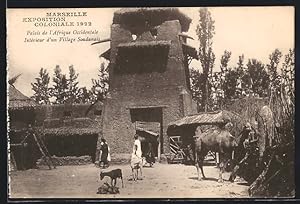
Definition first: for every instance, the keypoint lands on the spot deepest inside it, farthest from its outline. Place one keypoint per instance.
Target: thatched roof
(160, 43)
(208, 118)
(153, 16)
(189, 50)
(152, 128)
(218, 117)
(83, 122)
(106, 54)
(17, 100)
(68, 131)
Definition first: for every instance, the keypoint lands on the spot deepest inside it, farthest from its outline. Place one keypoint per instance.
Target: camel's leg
(222, 163)
(198, 173)
(201, 167)
(222, 168)
(201, 159)
(122, 181)
(197, 165)
(221, 173)
(115, 182)
(234, 173)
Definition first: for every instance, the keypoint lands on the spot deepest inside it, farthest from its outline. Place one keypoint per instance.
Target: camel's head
(231, 140)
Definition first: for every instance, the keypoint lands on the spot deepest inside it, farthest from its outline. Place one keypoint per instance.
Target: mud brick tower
(148, 77)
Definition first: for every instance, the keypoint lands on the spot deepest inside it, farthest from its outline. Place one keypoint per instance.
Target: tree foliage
(224, 61)
(60, 87)
(100, 85)
(288, 73)
(244, 81)
(41, 88)
(73, 89)
(205, 31)
(197, 83)
(65, 89)
(251, 79)
(259, 77)
(231, 83)
(84, 95)
(272, 69)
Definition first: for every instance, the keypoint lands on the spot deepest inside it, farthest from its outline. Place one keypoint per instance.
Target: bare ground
(161, 181)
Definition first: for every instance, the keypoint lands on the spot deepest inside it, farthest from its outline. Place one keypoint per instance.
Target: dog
(113, 174)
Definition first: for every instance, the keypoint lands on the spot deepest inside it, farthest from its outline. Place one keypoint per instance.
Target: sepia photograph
(151, 102)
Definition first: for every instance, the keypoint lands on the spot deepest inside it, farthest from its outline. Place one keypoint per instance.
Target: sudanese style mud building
(21, 114)
(70, 129)
(148, 76)
(67, 129)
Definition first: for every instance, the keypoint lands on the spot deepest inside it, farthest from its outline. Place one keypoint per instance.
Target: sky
(253, 31)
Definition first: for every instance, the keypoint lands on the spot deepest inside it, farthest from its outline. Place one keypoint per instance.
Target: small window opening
(67, 113)
(98, 112)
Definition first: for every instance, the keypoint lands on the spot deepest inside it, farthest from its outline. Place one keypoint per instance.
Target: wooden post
(158, 148)
(41, 149)
(22, 155)
(47, 152)
(217, 158)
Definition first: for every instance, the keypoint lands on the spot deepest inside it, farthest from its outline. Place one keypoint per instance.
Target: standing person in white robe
(136, 156)
(137, 142)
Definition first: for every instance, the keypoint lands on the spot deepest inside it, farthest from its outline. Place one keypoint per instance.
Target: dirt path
(162, 181)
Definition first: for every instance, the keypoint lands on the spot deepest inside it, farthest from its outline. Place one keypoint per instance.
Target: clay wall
(144, 90)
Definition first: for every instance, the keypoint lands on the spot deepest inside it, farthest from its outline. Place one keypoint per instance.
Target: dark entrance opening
(146, 139)
(142, 59)
(25, 156)
(72, 145)
(146, 120)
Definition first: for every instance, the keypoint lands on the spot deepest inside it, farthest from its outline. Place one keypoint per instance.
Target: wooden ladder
(43, 149)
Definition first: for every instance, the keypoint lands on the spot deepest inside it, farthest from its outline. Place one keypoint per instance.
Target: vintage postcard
(191, 102)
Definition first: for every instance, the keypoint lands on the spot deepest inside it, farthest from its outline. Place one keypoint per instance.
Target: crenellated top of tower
(149, 17)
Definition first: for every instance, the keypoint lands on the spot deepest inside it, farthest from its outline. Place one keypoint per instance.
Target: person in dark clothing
(104, 153)
(28, 157)
(150, 157)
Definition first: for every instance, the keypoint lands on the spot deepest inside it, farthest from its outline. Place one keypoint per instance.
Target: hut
(70, 130)
(66, 129)
(148, 76)
(247, 107)
(182, 132)
(21, 115)
(217, 118)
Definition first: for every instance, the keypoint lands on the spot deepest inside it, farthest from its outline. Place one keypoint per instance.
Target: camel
(216, 140)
